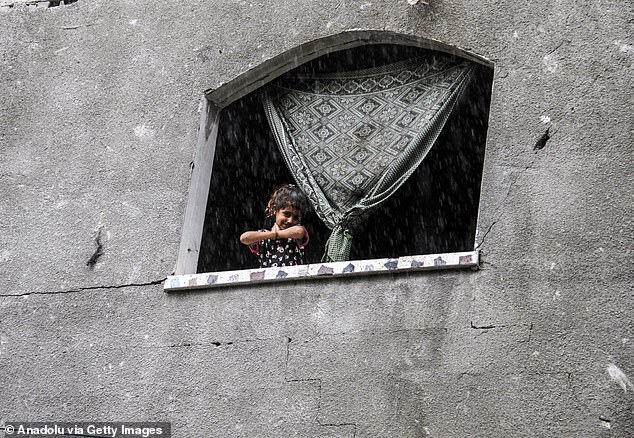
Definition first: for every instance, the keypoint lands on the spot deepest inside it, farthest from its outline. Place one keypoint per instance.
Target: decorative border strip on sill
(455, 260)
(7, 5)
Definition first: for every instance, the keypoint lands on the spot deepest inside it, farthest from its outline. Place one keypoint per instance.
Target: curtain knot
(338, 245)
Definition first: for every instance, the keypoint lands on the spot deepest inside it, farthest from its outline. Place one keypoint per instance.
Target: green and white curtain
(352, 139)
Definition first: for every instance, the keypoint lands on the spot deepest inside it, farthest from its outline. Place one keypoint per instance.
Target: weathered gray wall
(98, 127)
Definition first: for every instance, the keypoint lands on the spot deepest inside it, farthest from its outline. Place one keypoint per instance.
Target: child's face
(287, 217)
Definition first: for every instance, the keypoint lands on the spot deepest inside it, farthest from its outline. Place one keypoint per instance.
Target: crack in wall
(613, 418)
(87, 288)
(288, 352)
(571, 388)
(319, 392)
(92, 261)
(529, 326)
(488, 230)
(485, 328)
(483, 263)
(606, 421)
(184, 344)
(382, 333)
(468, 373)
(559, 45)
(496, 213)
(539, 145)
(514, 180)
(530, 333)
(216, 343)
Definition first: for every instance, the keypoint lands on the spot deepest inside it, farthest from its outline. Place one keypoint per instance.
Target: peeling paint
(619, 376)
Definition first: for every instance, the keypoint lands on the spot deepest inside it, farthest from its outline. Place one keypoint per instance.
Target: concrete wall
(98, 127)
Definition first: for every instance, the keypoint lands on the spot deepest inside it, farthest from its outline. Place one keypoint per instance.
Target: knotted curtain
(352, 139)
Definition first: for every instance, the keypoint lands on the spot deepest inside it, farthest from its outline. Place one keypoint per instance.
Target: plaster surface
(98, 129)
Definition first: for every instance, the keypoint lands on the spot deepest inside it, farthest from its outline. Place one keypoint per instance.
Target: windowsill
(428, 262)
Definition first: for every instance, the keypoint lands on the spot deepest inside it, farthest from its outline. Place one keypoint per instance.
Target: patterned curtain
(352, 139)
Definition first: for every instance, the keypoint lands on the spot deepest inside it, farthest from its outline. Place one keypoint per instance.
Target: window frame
(212, 104)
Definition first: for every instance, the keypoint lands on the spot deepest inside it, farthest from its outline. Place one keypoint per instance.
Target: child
(283, 244)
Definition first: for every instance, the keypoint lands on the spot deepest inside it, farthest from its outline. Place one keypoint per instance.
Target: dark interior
(435, 211)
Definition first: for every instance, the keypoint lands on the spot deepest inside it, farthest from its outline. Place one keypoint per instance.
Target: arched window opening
(434, 211)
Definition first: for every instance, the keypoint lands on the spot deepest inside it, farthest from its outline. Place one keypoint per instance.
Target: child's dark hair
(287, 195)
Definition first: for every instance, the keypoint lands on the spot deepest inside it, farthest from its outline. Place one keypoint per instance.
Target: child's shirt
(280, 252)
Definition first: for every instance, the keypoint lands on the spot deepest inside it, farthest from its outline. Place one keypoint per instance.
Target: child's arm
(250, 237)
(294, 232)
